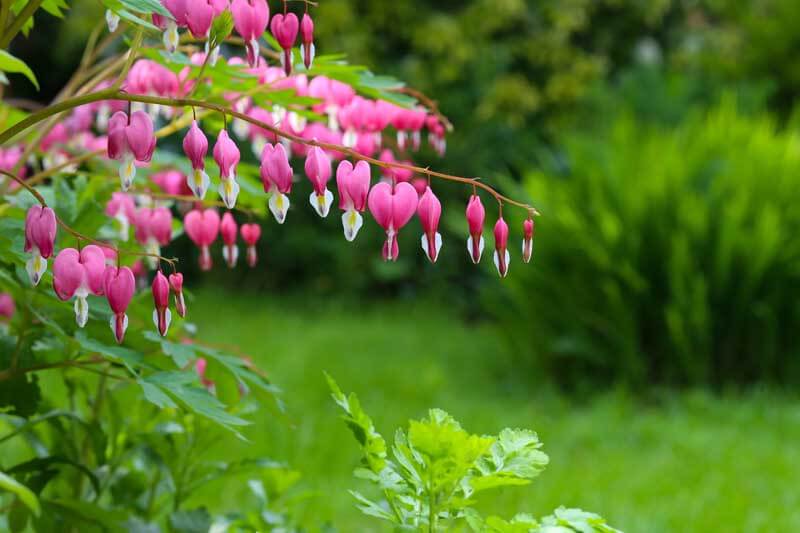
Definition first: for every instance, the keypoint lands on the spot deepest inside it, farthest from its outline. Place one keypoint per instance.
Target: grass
(688, 462)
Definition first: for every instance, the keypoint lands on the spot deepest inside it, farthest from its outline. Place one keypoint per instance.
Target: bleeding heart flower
(200, 368)
(176, 283)
(429, 211)
(318, 170)
(229, 231)
(527, 240)
(130, 139)
(476, 215)
(250, 19)
(172, 182)
(392, 208)
(199, 16)
(7, 306)
(119, 285)
(40, 236)
(170, 26)
(276, 176)
(284, 29)
(501, 256)
(79, 274)
(251, 233)
(153, 229)
(353, 184)
(202, 227)
(195, 146)
(226, 154)
(161, 314)
(307, 49)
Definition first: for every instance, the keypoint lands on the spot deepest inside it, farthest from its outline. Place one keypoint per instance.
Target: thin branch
(13, 373)
(432, 105)
(81, 236)
(111, 94)
(19, 22)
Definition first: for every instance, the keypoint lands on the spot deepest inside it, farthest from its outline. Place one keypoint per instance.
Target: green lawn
(691, 462)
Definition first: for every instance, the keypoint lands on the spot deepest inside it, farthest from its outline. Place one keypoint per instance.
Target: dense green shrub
(666, 255)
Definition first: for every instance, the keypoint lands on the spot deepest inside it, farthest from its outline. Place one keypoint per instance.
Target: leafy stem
(19, 21)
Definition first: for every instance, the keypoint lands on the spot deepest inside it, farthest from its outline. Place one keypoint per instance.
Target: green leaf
(128, 357)
(147, 7)
(194, 521)
(515, 458)
(89, 512)
(9, 484)
(9, 63)
(181, 354)
(22, 394)
(44, 463)
(221, 28)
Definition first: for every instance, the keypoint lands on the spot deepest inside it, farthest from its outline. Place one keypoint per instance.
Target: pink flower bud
(392, 209)
(200, 368)
(251, 233)
(429, 211)
(176, 283)
(229, 231)
(307, 49)
(79, 274)
(250, 19)
(172, 182)
(501, 256)
(161, 314)
(202, 227)
(130, 139)
(353, 184)
(276, 176)
(527, 240)
(7, 306)
(40, 236)
(195, 146)
(318, 170)
(476, 215)
(226, 154)
(119, 285)
(284, 29)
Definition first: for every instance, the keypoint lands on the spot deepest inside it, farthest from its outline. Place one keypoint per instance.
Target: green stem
(18, 22)
(12, 373)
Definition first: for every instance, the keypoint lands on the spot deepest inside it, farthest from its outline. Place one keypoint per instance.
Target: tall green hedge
(665, 255)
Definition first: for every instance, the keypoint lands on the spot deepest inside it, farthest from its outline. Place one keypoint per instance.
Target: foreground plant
(437, 470)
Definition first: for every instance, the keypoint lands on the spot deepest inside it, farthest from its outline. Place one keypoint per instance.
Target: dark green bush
(665, 255)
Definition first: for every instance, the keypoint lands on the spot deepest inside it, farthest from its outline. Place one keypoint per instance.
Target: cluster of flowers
(250, 19)
(94, 270)
(354, 124)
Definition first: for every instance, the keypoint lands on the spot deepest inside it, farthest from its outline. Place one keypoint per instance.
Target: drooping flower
(170, 25)
(476, 215)
(130, 139)
(276, 176)
(199, 16)
(172, 182)
(79, 274)
(307, 49)
(318, 170)
(284, 28)
(353, 184)
(122, 209)
(501, 256)
(176, 283)
(429, 211)
(229, 231)
(153, 230)
(200, 368)
(409, 123)
(119, 285)
(527, 240)
(250, 19)
(40, 236)
(112, 20)
(195, 146)
(251, 233)
(392, 208)
(202, 227)
(7, 306)
(162, 316)
(436, 134)
(226, 154)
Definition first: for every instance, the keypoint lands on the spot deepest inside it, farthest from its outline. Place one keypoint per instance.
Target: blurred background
(652, 341)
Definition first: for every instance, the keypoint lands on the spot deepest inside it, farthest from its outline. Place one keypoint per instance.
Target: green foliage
(9, 63)
(437, 469)
(667, 255)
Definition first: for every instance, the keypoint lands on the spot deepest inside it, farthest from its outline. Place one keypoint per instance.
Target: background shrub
(666, 255)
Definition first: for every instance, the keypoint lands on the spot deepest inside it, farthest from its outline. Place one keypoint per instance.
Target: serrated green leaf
(9, 63)
(221, 28)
